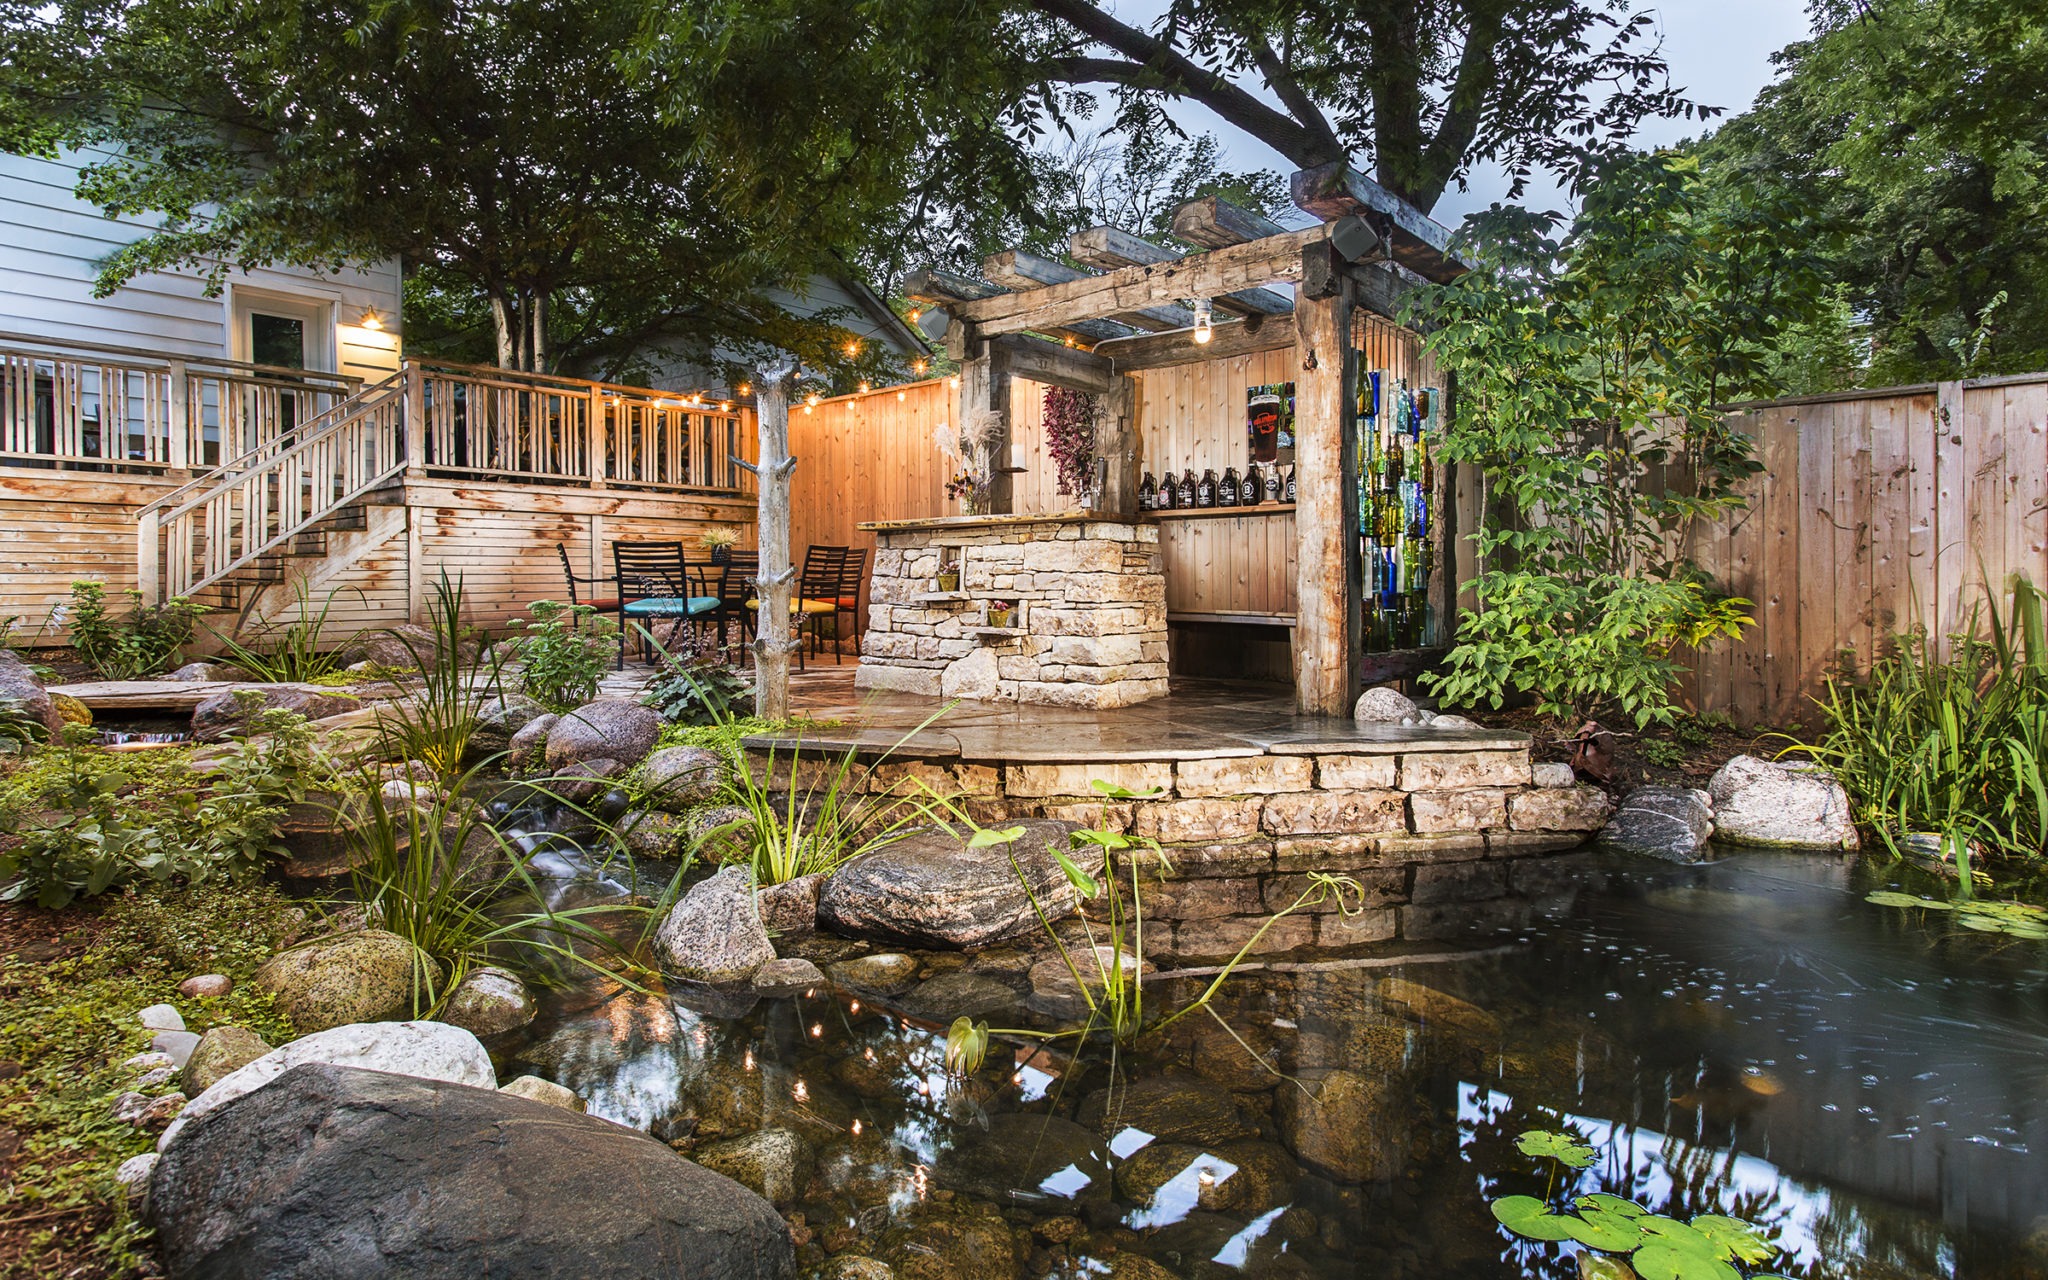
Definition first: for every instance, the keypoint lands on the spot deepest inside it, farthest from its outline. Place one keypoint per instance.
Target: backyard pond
(1865, 1086)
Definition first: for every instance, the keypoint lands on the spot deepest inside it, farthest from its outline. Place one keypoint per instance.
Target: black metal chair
(736, 602)
(655, 582)
(829, 588)
(603, 604)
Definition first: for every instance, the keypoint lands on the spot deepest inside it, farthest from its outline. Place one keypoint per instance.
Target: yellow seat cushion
(804, 606)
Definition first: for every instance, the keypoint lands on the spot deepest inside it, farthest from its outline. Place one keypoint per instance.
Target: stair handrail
(361, 403)
(313, 429)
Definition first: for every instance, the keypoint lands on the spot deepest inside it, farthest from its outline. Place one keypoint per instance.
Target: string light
(800, 1093)
(854, 1007)
(1204, 327)
(903, 395)
(856, 1126)
(813, 399)
(725, 406)
(863, 386)
(817, 1030)
(853, 349)
(917, 366)
(746, 389)
(953, 381)
(809, 409)
(914, 314)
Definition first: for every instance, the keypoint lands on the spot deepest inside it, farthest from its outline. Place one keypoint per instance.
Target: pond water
(1749, 1037)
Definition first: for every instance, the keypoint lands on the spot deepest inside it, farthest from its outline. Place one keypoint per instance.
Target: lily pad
(1565, 1148)
(1893, 898)
(1734, 1235)
(1662, 1262)
(1603, 1229)
(1529, 1217)
(1610, 1204)
(1670, 1233)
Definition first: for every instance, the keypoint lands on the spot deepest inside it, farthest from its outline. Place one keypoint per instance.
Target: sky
(1719, 52)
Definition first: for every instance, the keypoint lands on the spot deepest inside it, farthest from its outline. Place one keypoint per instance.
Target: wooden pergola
(1089, 329)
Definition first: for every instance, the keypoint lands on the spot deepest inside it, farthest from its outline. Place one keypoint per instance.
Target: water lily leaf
(1600, 1229)
(1531, 1218)
(1662, 1262)
(1736, 1236)
(1983, 924)
(1893, 898)
(1564, 1148)
(983, 839)
(1605, 1203)
(1670, 1233)
(1084, 884)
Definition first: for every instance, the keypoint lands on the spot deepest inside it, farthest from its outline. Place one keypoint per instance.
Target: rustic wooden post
(1118, 446)
(178, 450)
(772, 641)
(985, 387)
(1327, 630)
(415, 423)
(147, 541)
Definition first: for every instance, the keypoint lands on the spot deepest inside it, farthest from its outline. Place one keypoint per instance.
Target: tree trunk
(540, 332)
(501, 321)
(772, 641)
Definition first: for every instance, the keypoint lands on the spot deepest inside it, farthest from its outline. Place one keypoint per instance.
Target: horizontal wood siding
(58, 531)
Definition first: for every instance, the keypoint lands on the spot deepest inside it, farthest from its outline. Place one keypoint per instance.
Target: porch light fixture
(1204, 326)
(372, 321)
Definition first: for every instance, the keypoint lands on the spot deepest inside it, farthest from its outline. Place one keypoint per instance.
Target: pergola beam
(1415, 240)
(1161, 350)
(1108, 248)
(1198, 275)
(1215, 223)
(946, 290)
(1019, 269)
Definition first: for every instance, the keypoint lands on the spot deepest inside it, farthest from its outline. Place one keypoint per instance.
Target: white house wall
(51, 244)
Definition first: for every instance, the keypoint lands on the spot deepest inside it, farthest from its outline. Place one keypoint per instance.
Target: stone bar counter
(1088, 620)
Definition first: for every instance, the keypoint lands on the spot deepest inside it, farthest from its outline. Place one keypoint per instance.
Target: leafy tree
(1416, 90)
(1589, 365)
(1914, 135)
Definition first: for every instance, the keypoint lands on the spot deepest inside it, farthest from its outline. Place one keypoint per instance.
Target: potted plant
(949, 578)
(999, 613)
(719, 540)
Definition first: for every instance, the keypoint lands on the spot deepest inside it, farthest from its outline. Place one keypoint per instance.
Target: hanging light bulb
(813, 399)
(917, 366)
(1204, 328)
(863, 386)
(903, 395)
(746, 389)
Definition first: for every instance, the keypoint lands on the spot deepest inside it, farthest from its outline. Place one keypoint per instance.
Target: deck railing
(72, 406)
(432, 419)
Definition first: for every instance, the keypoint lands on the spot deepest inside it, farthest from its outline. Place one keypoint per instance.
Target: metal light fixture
(1205, 328)
(372, 321)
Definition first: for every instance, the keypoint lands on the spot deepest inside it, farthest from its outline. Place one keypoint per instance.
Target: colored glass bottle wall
(1399, 434)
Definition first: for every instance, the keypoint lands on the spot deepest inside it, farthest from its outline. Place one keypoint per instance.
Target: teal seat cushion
(669, 606)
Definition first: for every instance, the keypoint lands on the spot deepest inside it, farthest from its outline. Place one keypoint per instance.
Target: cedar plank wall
(867, 457)
(59, 528)
(1872, 516)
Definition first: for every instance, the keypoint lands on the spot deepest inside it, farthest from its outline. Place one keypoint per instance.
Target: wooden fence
(1877, 512)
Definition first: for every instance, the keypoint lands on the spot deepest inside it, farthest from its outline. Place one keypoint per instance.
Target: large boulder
(714, 933)
(221, 716)
(678, 778)
(932, 890)
(1785, 806)
(772, 1163)
(22, 693)
(429, 1050)
(1671, 823)
(1350, 1126)
(608, 729)
(408, 645)
(1385, 705)
(529, 742)
(336, 1172)
(366, 976)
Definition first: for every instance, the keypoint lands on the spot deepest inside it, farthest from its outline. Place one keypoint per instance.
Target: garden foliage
(1590, 363)
(567, 650)
(139, 643)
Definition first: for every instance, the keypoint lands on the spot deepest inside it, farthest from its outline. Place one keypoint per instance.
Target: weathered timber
(1198, 275)
(1060, 366)
(985, 389)
(1107, 248)
(946, 289)
(1160, 350)
(1214, 223)
(1414, 239)
(772, 641)
(1327, 630)
(1019, 269)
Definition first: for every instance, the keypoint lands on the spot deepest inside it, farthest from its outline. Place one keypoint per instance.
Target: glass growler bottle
(1187, 488)
(1253, 490)
(1290, 484)
(1228, 491)
(1148, 493)
(1205, 488)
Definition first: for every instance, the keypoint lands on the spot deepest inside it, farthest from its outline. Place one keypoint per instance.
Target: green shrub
(128, 648)
(1957, 749)
(696, 688)
(566, 652)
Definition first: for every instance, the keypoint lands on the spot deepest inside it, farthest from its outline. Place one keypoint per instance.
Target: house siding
(51, 244)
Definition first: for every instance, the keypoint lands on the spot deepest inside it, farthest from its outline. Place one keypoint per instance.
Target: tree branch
(1465, 105)
(1289, 91)
(1180, 75)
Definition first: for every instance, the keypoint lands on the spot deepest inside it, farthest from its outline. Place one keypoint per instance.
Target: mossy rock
(367, 976)
(73, 710)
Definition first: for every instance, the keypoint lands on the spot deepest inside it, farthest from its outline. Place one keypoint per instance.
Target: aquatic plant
(436, 724)
(1956, 748)
(1113, 986)
(966, 1046)
(2017, 919)
(817, 825)
(1708, 1247)
(565, 653)
(299, 651)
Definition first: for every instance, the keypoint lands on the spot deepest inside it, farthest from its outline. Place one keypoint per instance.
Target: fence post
(415, 422)
(598, 438)
(178, 449)
(147, 579)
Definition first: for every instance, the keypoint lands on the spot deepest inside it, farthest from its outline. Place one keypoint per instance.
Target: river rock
(221, 716)
(678, 778)
(160, 1017)
(791, 907)
(959, 1240)
(1794, 805)
(888, 974)
(1384, 705)
(609, 729)
(1170, 1108)
(931, 890)
(535, 1089)
(219, 1053)
(1553, 774)
(72, 710)
(366, 976)
(1020, 1150)
(649, 833)
(847, 1267)
(787, 978)
(1440, 1009)
(958, 995)
(489, 1001)
(208, 673)
(333, 1171)
(405, 646)
(499, 718)
(529, 743)
(772, 1163)
(22, 692)
(177, 1045)
(429, 1050)
(1350, 1126)
(714, 934)
(206, 984)
(1672, 823)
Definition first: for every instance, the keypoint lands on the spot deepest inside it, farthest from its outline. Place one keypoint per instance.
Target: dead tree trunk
(772, 641)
